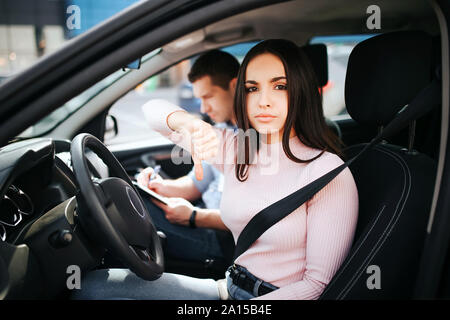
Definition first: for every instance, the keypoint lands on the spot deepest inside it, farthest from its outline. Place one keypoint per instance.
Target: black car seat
(395, 183)
(318, 56)
(427, 128)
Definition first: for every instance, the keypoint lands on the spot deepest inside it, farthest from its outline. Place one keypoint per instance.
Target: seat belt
(425, 101)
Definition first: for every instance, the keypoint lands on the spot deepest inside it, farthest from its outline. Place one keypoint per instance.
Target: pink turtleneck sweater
(301, 253)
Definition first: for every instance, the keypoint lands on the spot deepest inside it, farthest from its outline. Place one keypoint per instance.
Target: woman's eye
(250, 89)
(281, 87)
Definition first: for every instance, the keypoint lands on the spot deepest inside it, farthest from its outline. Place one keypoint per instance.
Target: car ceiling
(324, 17)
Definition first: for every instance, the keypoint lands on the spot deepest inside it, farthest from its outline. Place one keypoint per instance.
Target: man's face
(216, 102)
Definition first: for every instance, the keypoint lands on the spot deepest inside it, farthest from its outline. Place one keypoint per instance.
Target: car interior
(49, 183)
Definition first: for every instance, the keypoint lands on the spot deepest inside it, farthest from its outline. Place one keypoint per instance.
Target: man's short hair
(221, 66)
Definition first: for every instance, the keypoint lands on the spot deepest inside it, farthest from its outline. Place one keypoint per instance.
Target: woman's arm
(197, 136)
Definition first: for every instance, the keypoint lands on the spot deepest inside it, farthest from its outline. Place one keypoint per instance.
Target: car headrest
(385, 73)
(317, 54)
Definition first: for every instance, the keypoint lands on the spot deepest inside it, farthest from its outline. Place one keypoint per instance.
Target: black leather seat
(395, 185)
(318, 56)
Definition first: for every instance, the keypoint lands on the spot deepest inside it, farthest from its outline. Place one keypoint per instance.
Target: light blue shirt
(210, 187)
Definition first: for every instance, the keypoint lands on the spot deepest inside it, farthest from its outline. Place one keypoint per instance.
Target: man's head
(213, 77)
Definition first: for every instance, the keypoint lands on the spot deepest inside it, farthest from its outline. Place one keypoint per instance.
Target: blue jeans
(122, 284)
(186, 243)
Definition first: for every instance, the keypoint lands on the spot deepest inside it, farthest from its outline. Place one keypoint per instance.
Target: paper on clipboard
(151, 193)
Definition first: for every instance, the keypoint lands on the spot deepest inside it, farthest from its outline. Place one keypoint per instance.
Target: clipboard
(151, 193)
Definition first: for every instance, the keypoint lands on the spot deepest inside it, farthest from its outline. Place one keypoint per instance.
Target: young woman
(283, 144)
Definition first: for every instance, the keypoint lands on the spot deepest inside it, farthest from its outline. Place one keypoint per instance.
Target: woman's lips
(265, 117)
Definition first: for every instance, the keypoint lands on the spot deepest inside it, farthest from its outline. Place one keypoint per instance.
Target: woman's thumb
(198, 169)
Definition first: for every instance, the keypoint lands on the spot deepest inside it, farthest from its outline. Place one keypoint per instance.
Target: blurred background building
(30, 29)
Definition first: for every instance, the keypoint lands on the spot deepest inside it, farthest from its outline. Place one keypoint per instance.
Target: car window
(30, 32)
(338, 49)
(171, 85)
(60, 114)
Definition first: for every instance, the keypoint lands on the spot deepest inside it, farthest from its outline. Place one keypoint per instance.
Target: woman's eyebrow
(278, 78)
(271, 80)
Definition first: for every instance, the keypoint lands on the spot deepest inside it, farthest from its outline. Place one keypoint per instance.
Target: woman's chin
(265, 129)
(270, 135)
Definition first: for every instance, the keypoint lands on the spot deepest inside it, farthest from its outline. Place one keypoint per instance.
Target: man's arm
(179, 211)
(209, 218)
(182, 187)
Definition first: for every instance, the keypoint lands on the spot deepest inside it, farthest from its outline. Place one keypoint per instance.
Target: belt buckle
(236, 269)
(234, 272)
(241, 279)
(238, 276)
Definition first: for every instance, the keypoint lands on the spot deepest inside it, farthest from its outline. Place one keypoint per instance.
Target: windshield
(28, 35)
(53, 119)
(60, 114)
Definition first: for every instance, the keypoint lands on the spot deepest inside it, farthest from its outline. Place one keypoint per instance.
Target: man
(213, 77)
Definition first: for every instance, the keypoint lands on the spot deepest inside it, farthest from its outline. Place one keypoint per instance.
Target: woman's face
(267, 96)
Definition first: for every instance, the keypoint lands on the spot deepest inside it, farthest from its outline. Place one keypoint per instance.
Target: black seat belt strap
(424, 102)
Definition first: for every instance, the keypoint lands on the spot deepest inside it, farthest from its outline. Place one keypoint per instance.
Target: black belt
(240, 278)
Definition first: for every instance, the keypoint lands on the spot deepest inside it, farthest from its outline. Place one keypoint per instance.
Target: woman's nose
(264, 98)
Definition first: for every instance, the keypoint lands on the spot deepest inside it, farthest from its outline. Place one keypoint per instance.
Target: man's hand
(178, 211)
(158, 184)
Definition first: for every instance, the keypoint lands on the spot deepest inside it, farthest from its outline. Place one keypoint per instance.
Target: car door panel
(173, 164)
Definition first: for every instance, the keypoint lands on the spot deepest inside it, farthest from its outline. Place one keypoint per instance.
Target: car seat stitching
(359, 246)
(368, 233)
(371, 254)
(375, 247)
(356, 250)
(390, 227)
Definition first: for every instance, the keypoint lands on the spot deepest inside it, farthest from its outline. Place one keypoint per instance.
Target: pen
(155, 172)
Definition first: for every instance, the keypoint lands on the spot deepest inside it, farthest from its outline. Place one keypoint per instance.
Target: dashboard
(15, 207)
(38, 203)
(34, 178)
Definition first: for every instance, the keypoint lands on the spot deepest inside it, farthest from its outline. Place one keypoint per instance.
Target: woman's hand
(177, 211)
(205, 145)
(203, 138)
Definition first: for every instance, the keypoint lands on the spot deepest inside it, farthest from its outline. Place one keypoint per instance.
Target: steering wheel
(113, 211)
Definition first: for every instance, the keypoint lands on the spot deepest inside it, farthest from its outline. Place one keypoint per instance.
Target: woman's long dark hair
(305, 113)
